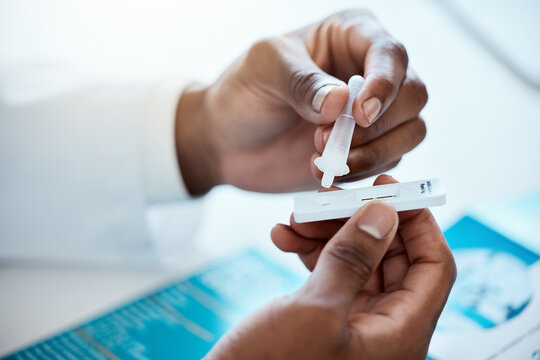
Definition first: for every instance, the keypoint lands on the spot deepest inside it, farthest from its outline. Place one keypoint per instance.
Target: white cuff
(162, 177)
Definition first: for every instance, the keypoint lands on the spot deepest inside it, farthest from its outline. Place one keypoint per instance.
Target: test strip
(344, 203)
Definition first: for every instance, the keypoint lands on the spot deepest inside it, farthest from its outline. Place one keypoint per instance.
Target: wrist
(196, 155)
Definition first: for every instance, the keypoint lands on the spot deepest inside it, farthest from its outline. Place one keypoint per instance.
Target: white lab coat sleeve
(89, 173)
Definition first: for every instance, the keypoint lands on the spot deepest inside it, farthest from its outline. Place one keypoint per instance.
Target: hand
(269, 113)
(377, 289)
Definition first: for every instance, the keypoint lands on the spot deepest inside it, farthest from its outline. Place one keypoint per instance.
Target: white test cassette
(344, 203)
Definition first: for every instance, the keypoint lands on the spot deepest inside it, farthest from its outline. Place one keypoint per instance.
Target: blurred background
(479, 60)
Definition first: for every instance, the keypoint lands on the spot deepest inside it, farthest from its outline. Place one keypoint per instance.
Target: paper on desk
(493, 311)
(181, 321)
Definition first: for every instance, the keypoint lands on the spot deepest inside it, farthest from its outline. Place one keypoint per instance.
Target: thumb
(286, 67)
(352, 255)
(316, 96)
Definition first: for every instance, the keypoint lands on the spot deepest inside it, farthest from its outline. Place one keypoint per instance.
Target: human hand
(377, 289)
(261, 124)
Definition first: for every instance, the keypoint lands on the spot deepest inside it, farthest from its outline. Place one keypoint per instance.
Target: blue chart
(493, 284)
(182, 321)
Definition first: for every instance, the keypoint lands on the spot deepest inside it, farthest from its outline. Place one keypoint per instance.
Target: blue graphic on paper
(182, 321)
(493, 283)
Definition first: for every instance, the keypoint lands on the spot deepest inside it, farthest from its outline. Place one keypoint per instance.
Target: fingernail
(372, 106)
(326, 135)
(320, 96)
(377, 220)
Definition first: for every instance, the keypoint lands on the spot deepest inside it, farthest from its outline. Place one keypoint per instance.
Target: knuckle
(453, 273)
(422, 129)
(424, 97)
(302, 83)
(421, 93)
(417, 93)
(401, 53)
(355, 258)
(263, 47)
(263, 52)
(394, 164)
(391, 165)
(451, 268)
(393, 48)
(416, 130)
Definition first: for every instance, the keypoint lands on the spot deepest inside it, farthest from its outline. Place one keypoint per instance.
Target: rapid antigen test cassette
(344, 203)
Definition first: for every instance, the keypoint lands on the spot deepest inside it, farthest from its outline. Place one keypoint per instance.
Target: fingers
(283, 67)
(387, 148)
(305, 239)
(350, 258)
(322, 230)
(384, 179)
(411, 99)
(310, 259)
(385, 63)
(396, 262)
(431, 273)
(367, 159)
(358, 44)
(287, 240)
(371, 172)
(395, 265)
(385, 66)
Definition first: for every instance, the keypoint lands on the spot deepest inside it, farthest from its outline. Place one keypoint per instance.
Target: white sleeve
(89, 173)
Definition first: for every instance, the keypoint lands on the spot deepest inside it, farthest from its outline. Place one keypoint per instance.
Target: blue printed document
(181, 321)
(493, 311)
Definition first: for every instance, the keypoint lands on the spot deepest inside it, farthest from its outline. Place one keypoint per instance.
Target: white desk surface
(483, 126)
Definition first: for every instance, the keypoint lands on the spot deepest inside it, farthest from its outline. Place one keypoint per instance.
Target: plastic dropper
(333, 161)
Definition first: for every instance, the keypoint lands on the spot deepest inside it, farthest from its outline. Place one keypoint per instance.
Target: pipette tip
(327, 179)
